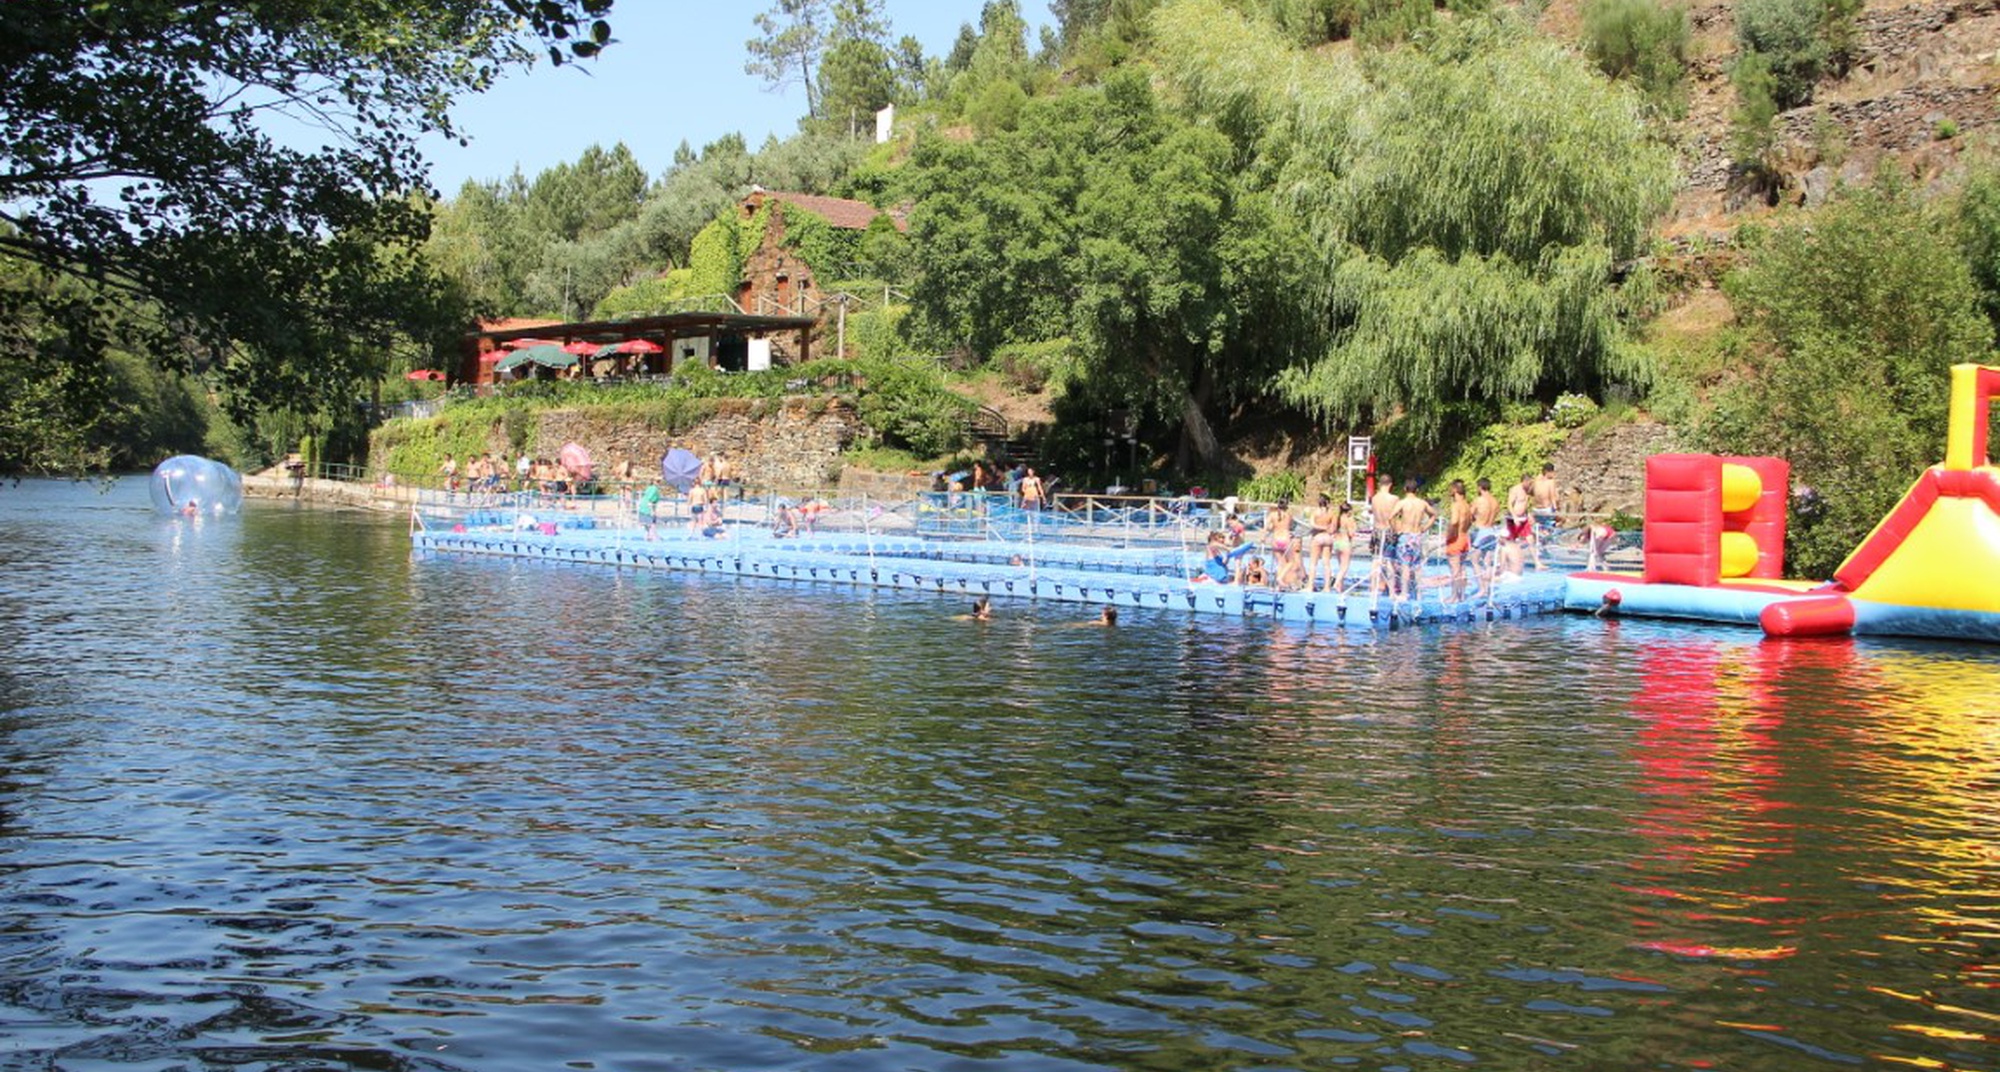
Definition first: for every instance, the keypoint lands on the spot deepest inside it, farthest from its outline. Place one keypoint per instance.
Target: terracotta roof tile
(838, 211)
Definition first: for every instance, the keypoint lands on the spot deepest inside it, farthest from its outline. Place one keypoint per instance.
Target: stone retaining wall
(1608, 470)
(782, 445)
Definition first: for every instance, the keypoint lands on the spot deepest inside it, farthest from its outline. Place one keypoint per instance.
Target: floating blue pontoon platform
(1150, 575)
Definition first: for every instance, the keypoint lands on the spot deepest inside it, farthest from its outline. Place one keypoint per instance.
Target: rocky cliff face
(1606, 473)
(1921, 84)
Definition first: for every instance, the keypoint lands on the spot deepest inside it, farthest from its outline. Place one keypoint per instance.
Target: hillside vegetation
(1228, 232)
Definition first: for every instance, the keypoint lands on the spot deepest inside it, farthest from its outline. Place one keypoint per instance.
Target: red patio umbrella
(639, 346)
(580, 348)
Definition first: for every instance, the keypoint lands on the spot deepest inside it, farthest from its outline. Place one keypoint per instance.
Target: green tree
(59, 385)
(858, 75)
(1370, 22)
(1753, 131)
(918, 77)
(553, 246)
(600, 191)
(1102, 217)
(649, 296)
(997, 57)
(884, 253)
(1791, 38)
(1978, 213)
(694, 190)
(141, 158)
(810, 162)
(479, 241)
(794, 38)
(1860, 312)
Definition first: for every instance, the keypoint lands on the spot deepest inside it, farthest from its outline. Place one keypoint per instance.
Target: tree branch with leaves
(248, 171)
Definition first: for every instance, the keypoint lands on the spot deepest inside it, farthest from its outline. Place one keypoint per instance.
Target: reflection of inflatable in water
(186, 484)
(1715, 532)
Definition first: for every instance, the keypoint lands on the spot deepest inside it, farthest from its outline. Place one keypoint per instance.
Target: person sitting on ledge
(1220, 565)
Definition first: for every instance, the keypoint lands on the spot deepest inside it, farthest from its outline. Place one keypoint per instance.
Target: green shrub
(906, 404)
(1795, 39)
(1385, 22)
(1501, 452)
(997, 107)
(1946, 129)
(1643, 42)
(1977, 220)
(1858, 317)
(1035, 367)
(1572, 411)
(877, 333)
(414, 448)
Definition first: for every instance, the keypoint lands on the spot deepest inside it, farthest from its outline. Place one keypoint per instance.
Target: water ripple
(276, 794)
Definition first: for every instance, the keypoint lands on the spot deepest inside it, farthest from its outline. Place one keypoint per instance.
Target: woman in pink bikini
(1284, 550)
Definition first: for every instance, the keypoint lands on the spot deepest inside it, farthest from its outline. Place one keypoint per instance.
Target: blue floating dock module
(1032, 569)
(1728, 603)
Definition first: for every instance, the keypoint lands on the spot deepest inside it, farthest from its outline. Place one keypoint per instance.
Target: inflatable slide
(1715, 539)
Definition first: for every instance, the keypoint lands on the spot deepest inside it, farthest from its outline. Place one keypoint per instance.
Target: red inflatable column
(1683, 530)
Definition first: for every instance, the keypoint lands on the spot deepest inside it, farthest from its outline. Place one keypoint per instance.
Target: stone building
(777, 281)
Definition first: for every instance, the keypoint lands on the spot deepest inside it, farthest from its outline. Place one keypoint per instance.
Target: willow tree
(1468, 198)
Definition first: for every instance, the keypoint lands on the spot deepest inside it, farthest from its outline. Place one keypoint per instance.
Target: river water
(276, 793)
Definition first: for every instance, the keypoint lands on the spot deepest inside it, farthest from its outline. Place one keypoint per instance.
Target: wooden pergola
(668, 331)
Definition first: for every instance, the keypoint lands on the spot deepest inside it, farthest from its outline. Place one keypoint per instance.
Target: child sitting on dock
(1254, 575)
(1220, 565)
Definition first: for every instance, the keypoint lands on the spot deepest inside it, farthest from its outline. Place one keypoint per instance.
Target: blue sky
(675, 74)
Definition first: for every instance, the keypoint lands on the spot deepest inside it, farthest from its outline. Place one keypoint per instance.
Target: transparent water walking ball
(195, 486)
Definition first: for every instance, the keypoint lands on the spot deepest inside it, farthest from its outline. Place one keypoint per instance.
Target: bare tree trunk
(1197, 437)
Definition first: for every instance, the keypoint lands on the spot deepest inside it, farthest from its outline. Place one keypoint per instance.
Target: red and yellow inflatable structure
(1715, 537)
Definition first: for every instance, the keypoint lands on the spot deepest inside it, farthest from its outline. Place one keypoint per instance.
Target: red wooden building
(633, 346)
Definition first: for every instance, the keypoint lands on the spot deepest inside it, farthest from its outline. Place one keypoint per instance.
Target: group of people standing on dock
(1483, 541)
(493, 474)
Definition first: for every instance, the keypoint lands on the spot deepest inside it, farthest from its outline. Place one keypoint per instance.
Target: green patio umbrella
(552, 356)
